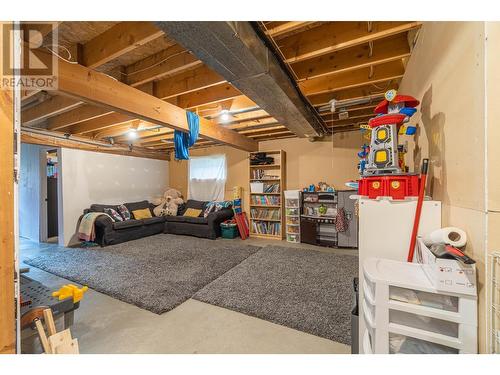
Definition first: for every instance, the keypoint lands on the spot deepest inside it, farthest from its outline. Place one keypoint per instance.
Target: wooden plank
(360, 77)
(100, 123)
(384, 50)
(184, 83)
(49, 322)
(206, 96)
(7, 303)
(54, 105)
(287, 28)
(334, 36)
(68, 348)
(124, 150)
(43, 336)
(59, 339)
(168, 62)
(354, 92)
(118, 40)
(85, 84)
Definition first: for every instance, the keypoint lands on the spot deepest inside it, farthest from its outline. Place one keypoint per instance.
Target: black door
(52, 207)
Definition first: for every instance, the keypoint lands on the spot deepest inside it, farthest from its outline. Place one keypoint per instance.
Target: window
(207, 177)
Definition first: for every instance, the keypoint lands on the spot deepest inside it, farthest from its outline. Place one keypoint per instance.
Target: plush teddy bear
(169, 204)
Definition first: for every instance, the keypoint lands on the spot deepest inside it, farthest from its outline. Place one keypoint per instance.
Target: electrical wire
(154, 65)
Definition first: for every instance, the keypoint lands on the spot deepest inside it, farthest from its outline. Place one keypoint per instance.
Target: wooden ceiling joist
(118, 40)
(54, 105)
(287, 28)
(347, 80)
(360, 56)
(87, 85)
(334, 36)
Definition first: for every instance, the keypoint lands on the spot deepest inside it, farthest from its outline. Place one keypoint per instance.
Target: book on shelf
(272, 188)
(265, 213)
(263, 227)
(260, 174)
(266, 200)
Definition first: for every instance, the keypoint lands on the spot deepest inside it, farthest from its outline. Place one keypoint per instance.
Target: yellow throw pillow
(142, 214)
(192, 212)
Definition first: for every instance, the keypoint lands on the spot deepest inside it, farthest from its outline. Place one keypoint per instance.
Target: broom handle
(418, 212)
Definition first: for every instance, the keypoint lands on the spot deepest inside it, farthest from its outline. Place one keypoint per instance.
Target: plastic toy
(382, 166)
(70, 290)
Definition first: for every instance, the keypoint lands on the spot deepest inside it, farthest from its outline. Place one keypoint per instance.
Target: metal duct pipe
(235, 112)
(71, 138)
(334, 104)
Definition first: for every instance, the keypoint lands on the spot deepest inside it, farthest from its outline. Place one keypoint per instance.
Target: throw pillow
(192, 212)
(145, 213)
(224, 204)
(114, 215)
(209, 208)
(124, 212)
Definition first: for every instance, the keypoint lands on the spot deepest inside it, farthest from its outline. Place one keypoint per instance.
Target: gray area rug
(307, 290)
(155, 273)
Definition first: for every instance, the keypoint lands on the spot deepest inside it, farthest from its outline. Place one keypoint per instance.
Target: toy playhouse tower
(383, 172)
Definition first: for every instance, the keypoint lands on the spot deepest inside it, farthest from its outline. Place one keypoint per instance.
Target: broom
(418, 212)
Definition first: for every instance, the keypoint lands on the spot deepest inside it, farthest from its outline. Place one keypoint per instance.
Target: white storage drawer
(417, 297)
(425, 323)
(401, 344)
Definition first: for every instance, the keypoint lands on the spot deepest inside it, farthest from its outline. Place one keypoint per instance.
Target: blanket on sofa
(86, 229)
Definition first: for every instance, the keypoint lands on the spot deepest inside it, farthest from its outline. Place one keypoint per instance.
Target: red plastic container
(394, 186)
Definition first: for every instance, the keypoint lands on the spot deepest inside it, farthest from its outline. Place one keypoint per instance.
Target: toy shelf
(292, 221)
(273, 177)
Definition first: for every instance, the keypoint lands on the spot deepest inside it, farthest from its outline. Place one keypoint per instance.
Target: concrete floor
(106, 325)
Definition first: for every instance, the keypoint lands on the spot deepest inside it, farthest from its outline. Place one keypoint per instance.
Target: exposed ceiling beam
(236, 52)
(187, 101)
(87, 85)
(117, 41)
(50, 107)
(170, 61)
(360, 77)
(360, 56)
(334, 36)
(286, 28)
(354, 92)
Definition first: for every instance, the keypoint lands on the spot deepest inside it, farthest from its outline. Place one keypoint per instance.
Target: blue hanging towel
(183, 140)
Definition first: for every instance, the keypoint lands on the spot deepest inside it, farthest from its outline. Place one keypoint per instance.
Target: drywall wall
(332, 160)
(492, 157)
(91, 177)
(446, 73)
(29, 192)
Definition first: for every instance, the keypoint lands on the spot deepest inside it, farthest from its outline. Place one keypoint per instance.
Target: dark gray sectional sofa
(109, 232)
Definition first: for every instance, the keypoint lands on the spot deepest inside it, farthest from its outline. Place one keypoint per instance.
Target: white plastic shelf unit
(292, 215)
(495, 303)
(403, 313)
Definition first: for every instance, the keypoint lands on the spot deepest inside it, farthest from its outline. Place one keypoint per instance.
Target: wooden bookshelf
(271, 203)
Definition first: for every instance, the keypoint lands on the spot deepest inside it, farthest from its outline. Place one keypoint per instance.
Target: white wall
(29, 192)
(91, 177)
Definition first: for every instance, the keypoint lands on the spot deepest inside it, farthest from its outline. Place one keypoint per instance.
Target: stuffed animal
(169, 204)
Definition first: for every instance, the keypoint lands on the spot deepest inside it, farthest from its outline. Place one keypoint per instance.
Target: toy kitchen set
(327, 218)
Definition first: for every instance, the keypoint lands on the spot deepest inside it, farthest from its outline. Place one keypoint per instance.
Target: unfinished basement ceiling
(326, 60)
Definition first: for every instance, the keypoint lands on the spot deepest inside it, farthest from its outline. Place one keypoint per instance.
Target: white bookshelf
(292, 215)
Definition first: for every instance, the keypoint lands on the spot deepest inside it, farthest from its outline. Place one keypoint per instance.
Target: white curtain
(207, 177)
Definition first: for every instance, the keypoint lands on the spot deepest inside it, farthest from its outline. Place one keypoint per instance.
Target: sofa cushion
(127, 224)
(101, 207)
(187, 219)
(143, 213)
(198, 205)
(154, 220)
(132, 206)
(123, 210)
(114, 215)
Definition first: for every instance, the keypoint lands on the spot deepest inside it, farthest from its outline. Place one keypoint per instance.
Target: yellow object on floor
(70, 290)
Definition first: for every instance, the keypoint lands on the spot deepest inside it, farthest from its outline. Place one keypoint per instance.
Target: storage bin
(418, 297)
(425, 323)
(292, 237)
(229, 231)
(401, 344)
(256, 187)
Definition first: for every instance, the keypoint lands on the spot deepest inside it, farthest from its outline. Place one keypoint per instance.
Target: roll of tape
(449, 235)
